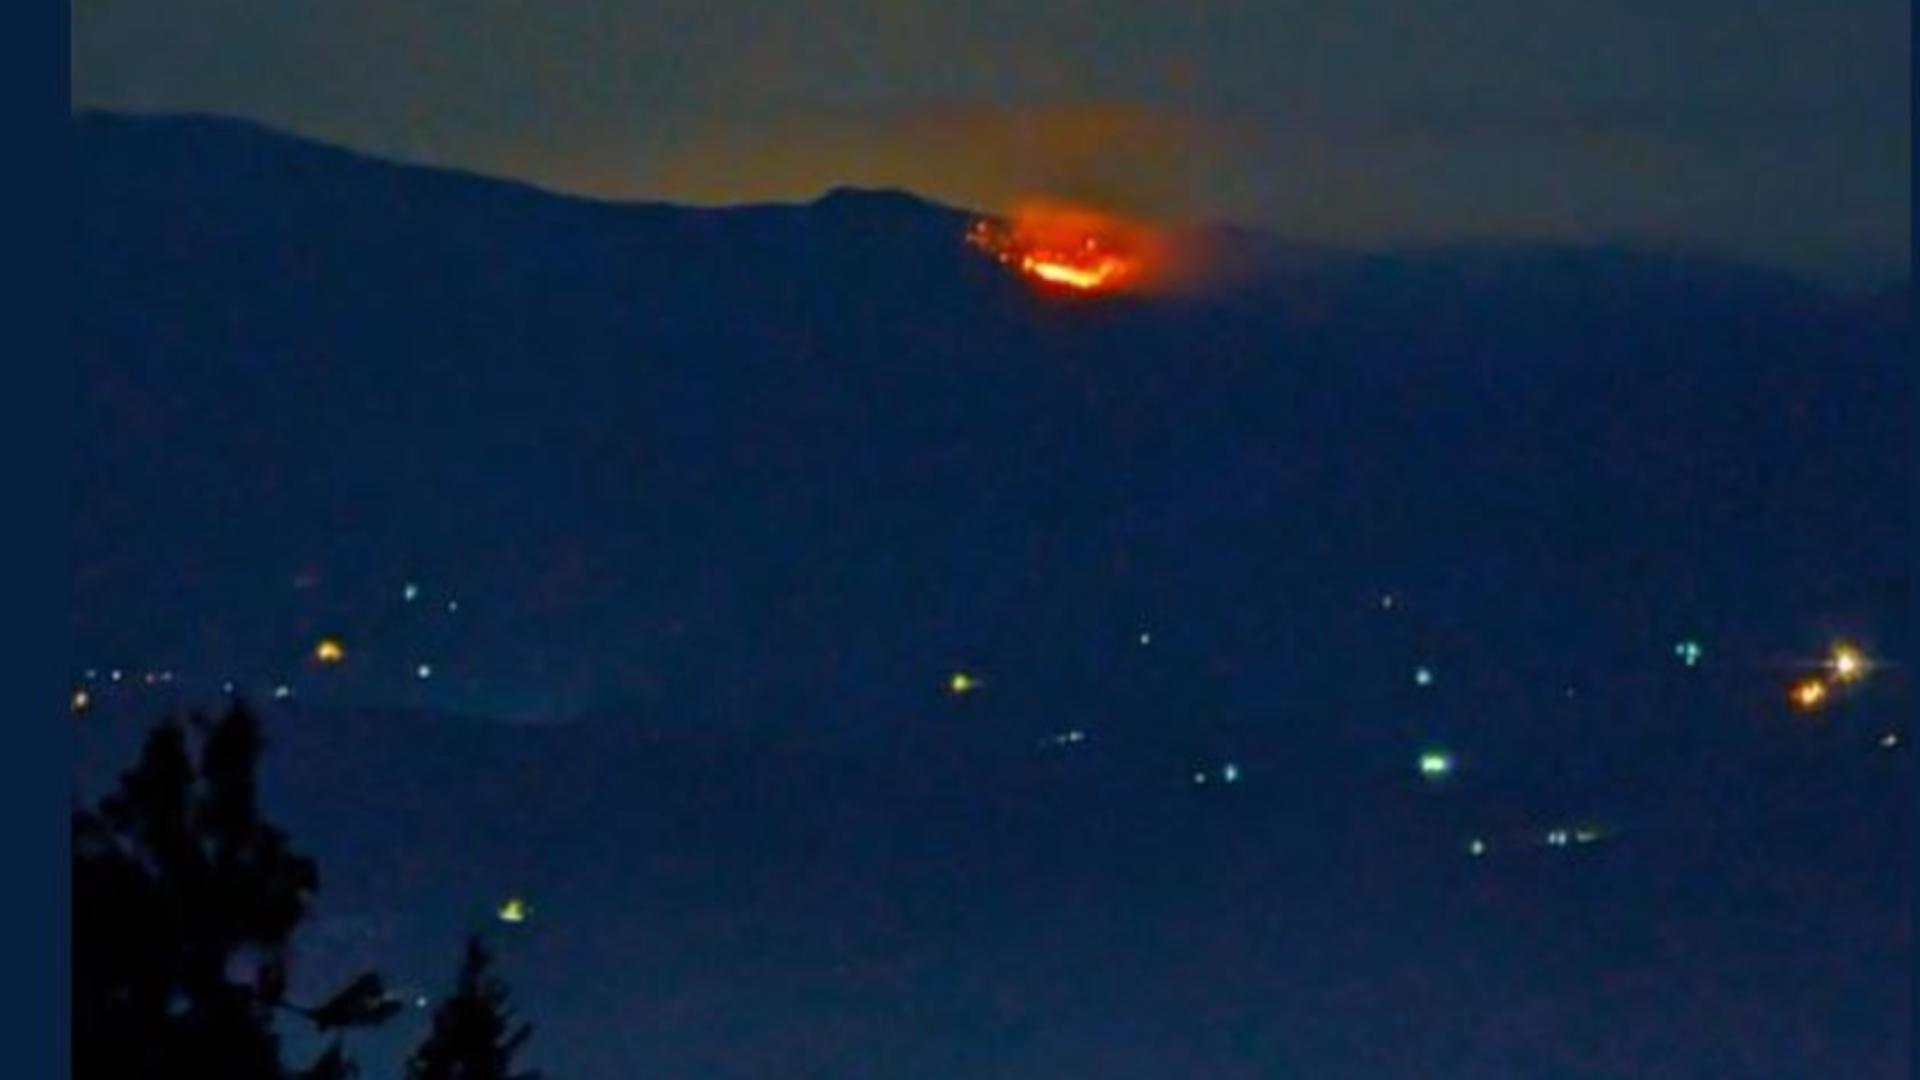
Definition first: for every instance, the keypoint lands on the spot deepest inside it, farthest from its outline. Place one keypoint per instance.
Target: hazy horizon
(1779, 136)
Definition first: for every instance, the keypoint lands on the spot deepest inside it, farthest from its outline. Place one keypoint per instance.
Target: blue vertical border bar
(37, 367)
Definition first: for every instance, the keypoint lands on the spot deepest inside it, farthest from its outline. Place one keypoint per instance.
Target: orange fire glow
(1071, 247)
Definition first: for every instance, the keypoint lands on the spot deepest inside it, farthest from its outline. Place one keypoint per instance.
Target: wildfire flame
(1071, 247)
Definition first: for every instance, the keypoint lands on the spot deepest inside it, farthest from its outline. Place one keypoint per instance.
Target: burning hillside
(1071, 247)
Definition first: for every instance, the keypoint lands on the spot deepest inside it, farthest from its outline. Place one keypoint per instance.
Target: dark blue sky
(1776, 131)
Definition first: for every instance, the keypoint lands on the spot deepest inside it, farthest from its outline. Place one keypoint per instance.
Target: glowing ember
(1073, 248)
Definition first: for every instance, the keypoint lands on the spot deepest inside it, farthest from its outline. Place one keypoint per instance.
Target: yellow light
(82, 701)
(1809, 694)
(515, 910)
(329, 651)
(1847, 664)
(1085, 277)
(962, 683)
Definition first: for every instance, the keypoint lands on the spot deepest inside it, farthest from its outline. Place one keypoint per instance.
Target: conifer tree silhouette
(184, 903)
(473, 1035)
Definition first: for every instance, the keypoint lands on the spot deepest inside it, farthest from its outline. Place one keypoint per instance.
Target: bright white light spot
(1199, 778)
(1890, 740)
(1423, 676)
(423, 671)
(1146, 638)
(82, 701)
(1557, 838)
(1847, 663)
(1476, 847)
(1230, 773)
(453, 606)
(114, 675)
(282, 692)
(410, 593)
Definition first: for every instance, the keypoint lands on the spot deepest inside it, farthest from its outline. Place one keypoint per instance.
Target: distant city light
(1145, 638)
(423, 671)
(1689, 652)
(1557, 838)
(1809, 694)
(1436, 764)
(1890, 740)
(1200, 778)
(82, 701)
(282, 692)
(114, 674)
(410, 593)
(1230, 773)
(329, 651)
(1423, 676)
(1476, 847)
(962, 683)
(514, 910)
(1847, 663)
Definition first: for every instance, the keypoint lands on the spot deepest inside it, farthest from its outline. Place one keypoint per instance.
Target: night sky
(931, 633)
(1776, 131)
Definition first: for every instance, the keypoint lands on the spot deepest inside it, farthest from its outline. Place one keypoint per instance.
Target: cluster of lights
(1845, 666)
(1228, 773)
(1066, 738)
